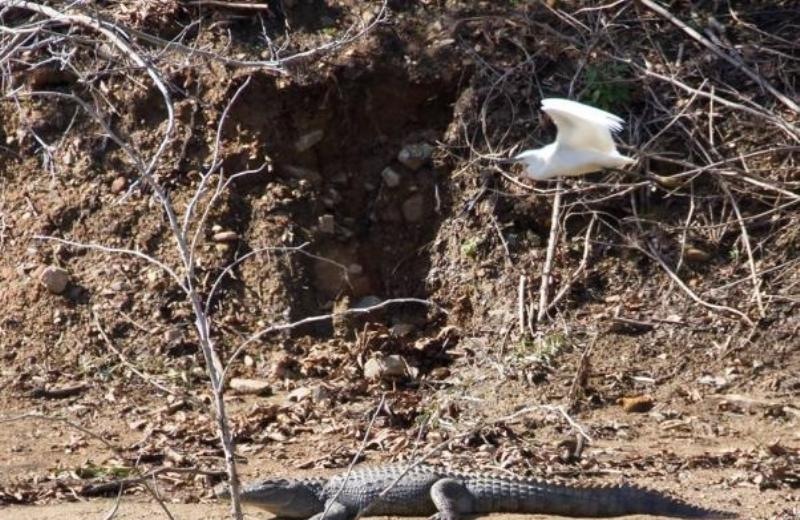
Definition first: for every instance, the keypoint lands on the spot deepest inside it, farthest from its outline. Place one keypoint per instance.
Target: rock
(299, 394)
(250, 386)
(440, 373)
(55, 279)
(390, 177)
(695, 254)
(413, 156)
(341, 179)
(402, 330)
(373, 369)
(299, 172)
(637, 404)
(249, 362)
(365, 302)
(355, 269)
(173, 335)
(388, 368)
(414, 208)
(284, 366)
(321, 394)
(309, 140)
(75, 293)
(327, 224)
(119, 184)
(225, 236)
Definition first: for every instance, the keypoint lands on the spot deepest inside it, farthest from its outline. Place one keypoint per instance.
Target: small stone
(341, 178)
(390, 177)
(413, 156)
(695, 254)
(320, 394)
(638, 404)
(355, 269)
(402, 330)
(327, 224)
(55, 279)
(173, 335)
(334, 195)
(75, 293)
(283, 367)
(309, 140)
(388, 368)
(440, 373)
(241, 385)
(225, 236)
(414, 208)
(299, 394)
(119, 184)
(249, 362)
(366, 302)
(373, 369)
(303, 174)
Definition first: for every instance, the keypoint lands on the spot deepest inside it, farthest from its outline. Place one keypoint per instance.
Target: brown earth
(674, 395)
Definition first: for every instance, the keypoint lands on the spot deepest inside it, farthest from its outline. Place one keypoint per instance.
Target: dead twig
(733, 60)
(748, 248)
(581, 267)
(652, 253)
(547, 268)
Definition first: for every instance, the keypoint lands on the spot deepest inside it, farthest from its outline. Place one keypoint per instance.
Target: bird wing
(581, 126)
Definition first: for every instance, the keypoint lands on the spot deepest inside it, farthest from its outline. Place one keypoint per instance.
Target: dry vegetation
(276, 233)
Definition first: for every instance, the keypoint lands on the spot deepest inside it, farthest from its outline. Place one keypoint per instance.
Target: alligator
(422, 490)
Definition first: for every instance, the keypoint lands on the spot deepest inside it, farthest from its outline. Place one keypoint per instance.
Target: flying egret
(583, 144)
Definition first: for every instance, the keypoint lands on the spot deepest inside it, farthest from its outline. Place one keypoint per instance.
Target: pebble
(299, 394)
(309, 140)
(119, 184)
(413, 156)
(173, 335)
(695, 254)
(55, 279)
(226, 236)
(637, 404)
(402, 330)
(321, 394)
(365, 302)
(242, 385)
(414, 208)
(327, 224)
(388, 368)
(390, 177)
(440, 373)
(301, 173)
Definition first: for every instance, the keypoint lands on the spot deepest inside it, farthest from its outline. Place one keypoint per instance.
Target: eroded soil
(718, 414)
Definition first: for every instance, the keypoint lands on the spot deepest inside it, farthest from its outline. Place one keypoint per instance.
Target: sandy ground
(99, 509)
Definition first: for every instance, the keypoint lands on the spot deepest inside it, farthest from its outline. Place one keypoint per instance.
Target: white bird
(583, 143)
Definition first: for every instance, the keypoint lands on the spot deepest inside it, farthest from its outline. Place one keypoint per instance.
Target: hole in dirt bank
(339, 150)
